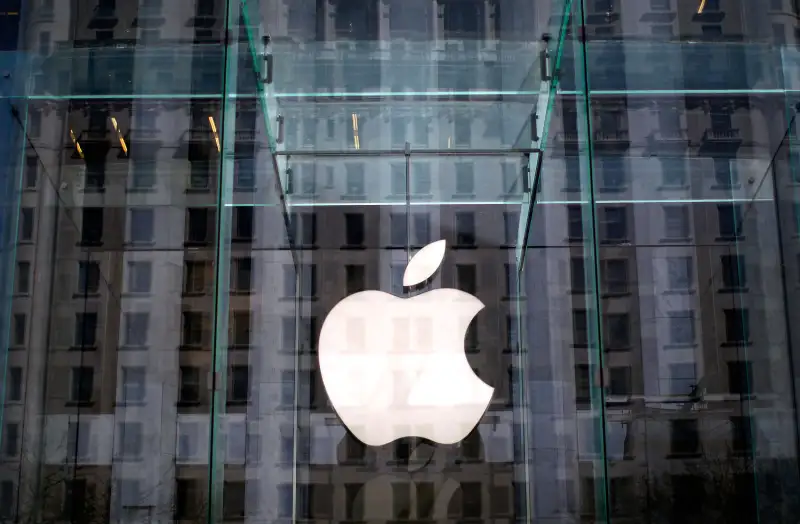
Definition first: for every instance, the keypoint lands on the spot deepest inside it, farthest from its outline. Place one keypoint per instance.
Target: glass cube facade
(189, 187)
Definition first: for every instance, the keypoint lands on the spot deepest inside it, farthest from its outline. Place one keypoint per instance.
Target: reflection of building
(120, 265)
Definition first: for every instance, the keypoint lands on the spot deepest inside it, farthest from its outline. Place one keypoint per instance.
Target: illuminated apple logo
(395, 367)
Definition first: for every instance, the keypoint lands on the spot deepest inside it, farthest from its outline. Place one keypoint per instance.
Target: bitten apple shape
(395, 367)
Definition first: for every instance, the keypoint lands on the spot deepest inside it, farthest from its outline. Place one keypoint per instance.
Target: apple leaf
(424, 263)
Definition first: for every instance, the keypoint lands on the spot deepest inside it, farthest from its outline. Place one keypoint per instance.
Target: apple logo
(395, 367)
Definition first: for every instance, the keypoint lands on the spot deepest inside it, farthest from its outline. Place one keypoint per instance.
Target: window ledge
(90, 347)
(197, 190)
(730, 290)
(684, 455)
(353, 247)
(188, 347)
(737, 344)
(464, 246)
(687, 345)
(239, 347)
(679, 292)
(729, 238)
(237, 402)
(130, 403)
(79, 403)
(77, 294)
(675, 240)
(465, 196)
(615, 294)
(188, 403)
(131, 347)
(353, 197)
(617, 349)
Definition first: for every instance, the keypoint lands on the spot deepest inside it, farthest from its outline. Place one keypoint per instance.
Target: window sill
(90, 347)
(353, 197)
(88, 243)
(684, 455)
(93, 190)
(197, 243)
(241, 292)
(464, 246)
(736, 344)
(77, 294)
(79, 403)
(675, 240)
(353, 247)
(615, 294)
(729, 238)
(465, 196)
(130, 403)
(239, 347)
(617, 349)
(242, 240)
(731, 290)
(687, 345)
(187, 347)
(678, 292)
(188, 403)
(197, 190)
(194, 293)
(130, 347)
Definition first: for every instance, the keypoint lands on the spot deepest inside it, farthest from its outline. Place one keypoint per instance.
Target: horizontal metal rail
(408, 152)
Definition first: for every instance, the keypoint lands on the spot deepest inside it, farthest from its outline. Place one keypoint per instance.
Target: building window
(243, 224)
(740, 373)
(355, 279)
(239, 389)
(242, 275)
(19, 329)
(398, 180)
(511, 280)
(31, 172)
(189, 385)
(421, 223)
(676, 222)
(241, 324)
(619, 380)
(741, 435)
(615, 275)
(465, 228)
(198, 225)
(580, 327)
(680, 273)
(23, 278)
(612, 174)
(134, 379)
(244, 174)
(684, 437)
(140, 274)
(682, 378)
(200, 175)
(574, 222)
(465, 178)
(88, 277)
(466, 278)
(11, 440)
(233, 500)
(396, 284)
(303, 227)
(196, 277)
(578, 274)
(421, 179)
(681, 327)
(26, 224)
(737, 325)
(583, 387)
(354, 229)
(195, 329)
(510, 227)
(14, 385)
(618, 334)
(82, 389)
(673, 172)
(725, 175)
(92, 226)
(573, 175)
(355, 179)
(734, 272)
(511, 178)
(729, 217)
(85, 329)
(78, 439)
(398, 228)
(130, 440)
(137, 326)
